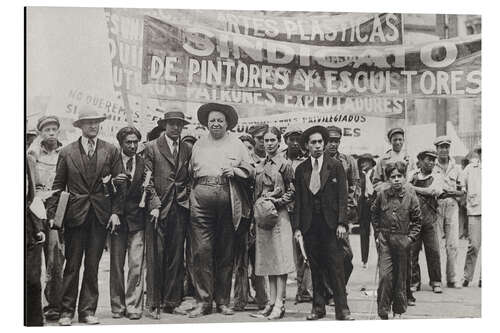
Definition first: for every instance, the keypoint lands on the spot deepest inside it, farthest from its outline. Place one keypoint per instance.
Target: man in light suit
(321, 208)
(80, 170)
(168, 160)
(129, 236)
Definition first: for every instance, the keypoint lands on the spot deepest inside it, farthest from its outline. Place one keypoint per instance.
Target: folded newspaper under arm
(61, 210)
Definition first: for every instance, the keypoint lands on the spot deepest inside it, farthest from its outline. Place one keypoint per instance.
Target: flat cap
(334, 131)
(396, 130)
(443, 139)
(428, 152)
(292, 129)
(49, 119)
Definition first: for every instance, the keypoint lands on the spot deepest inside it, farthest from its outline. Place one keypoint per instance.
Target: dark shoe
(453, 285)
(346, 317)
(225, 310)
(134, 316)
(117, 315)
(89, 320)
(153, 314)
(52, 315)
(239, 308)
(465, 284)
(315, 316)
(411, 302)
(384, 317)
(304, 298)
(479, 284)
(264, 312)
(277, 313)
(65, 321)
(437, 290)
(177, 310)
(199, 311)
(415, 287)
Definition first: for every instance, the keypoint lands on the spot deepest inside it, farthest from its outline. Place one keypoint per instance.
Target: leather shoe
(239, 308)
(315, 316)
(117, 315)
(384, 317)
(134, 316)
(453, 285)
(152, 313)
(411, 302)
(65, 321)
(199, 311)
(89, 320)
(304, 298)
(225, 310)
(437, 290)
(177, 310)
(465, 284)
(346, 317)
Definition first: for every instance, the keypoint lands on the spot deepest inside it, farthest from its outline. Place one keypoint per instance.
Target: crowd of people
(191, 214)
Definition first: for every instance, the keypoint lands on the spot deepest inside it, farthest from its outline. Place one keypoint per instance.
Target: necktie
(128, 166)
(175, 150)
(90, 148)
(369, 186)
(315, 182)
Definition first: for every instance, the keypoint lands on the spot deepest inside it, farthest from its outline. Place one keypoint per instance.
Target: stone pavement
(452, 303)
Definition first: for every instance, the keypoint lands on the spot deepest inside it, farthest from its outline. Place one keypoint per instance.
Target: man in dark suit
(129, 237)
(168, 160)
(80, 170)
(321, 207)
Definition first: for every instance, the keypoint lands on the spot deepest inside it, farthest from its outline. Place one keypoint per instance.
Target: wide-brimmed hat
(227, 110)
(86, 112)
(172, 115)
(311, 130)
(367, 157)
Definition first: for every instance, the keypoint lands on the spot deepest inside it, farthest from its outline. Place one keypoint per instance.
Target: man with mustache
(44, 152)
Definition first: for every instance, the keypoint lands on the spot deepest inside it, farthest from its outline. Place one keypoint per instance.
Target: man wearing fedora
(44, 152)
(167, 158)
(220, 199)
(448, 206)
(321, 208)
(366, 166)
(396, 137)
(81, 167)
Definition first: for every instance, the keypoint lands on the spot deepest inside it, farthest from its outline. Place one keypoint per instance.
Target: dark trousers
(428, 236)
(170, 236)
(327, 266)
(54, 262)
(364, 235)
(87, 239)
(211, 234)
(393, 270)
(130, 299)
(242, 259)
(32, 286)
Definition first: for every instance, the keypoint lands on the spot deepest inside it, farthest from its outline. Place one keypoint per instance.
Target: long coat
(332, 193)
(170, 179)
(85, 191)
(130, 195)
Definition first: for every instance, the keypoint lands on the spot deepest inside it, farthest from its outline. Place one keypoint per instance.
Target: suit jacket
(130, 195)
(85, 191)
(170, 180)
(33, 225)
(332, 194)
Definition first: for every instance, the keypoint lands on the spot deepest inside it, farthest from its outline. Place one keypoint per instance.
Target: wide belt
(213, 181)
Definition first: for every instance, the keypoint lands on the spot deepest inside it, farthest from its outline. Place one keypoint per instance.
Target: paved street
(461, 303)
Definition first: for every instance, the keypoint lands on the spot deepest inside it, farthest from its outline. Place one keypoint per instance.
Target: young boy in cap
(44, 152)
(448, 206)
(428, 187)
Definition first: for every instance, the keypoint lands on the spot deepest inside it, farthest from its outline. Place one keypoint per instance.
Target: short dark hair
(247, 138)
(399, 165)
(123, 132)
(274, 130)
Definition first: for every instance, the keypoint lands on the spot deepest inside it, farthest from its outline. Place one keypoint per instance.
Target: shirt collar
(320, 160)
(125, 158)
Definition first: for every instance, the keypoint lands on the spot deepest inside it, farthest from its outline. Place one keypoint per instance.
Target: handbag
(265, 214)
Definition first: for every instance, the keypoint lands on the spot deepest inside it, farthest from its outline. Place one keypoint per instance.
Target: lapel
(165, 150)
(323, 174)
(102, 155)
(181, 157)
(139, 170)
(76, 157)
(307, 173)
